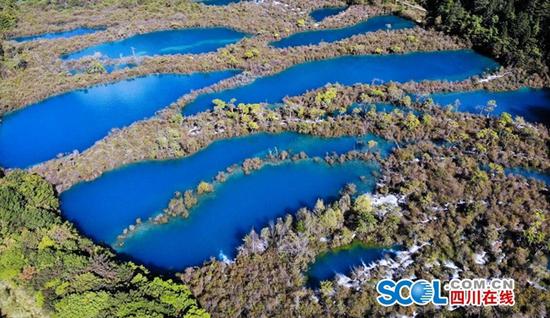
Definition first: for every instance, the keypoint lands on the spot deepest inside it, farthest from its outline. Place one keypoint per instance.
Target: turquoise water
(217, 225)
(102, 208)
(350, 70)
(184, 41)
(531, 174)
(531, 104)
(388, 22)
(320, 14)
(342, 261)
(57, 35)
(76, 120)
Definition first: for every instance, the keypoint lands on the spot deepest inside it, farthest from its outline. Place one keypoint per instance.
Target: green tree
(8, 15)
(86, 305)
(66, 274)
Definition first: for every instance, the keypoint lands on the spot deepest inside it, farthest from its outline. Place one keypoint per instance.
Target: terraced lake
(388, 22)
(348, 70)
(167, 42)
(342, 261)
(58, 35)
(217, 225)
(76, 120)
(531, 104)
(105, 206)
(323, 13)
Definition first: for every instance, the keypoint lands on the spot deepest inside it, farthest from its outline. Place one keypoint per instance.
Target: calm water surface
(531, 104)
(183, 41)
(320, 14)
(76, 120)
(350, 70)
(105, 206)
(217, 225)
(342, 261)
(314, 37)
(531, 174)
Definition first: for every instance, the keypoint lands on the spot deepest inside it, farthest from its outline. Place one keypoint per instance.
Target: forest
(46, 266)
(513, 31)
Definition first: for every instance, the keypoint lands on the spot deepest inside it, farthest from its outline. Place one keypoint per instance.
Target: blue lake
(183, 41)
(102, 208)
(217, 225)
(320, 14)
(531, 104)
(57, 35)
(76, 120)
(388, 22)
(342, 261)
(348, 70)
(530, 174)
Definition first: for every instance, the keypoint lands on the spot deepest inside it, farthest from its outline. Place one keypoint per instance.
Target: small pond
(343, 260)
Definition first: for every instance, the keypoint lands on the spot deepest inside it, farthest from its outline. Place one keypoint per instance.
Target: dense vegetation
(7, 14)
(58, 272)
(513, 31)
(451, 217)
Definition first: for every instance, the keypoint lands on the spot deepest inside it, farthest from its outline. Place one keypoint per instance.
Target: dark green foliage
(25, 201)
(513, 31)
(8, 15)
(67, 275)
